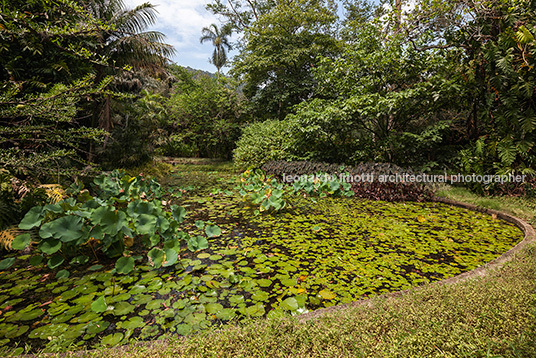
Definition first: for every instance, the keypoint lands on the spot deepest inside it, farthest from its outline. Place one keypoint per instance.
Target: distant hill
(197, 72)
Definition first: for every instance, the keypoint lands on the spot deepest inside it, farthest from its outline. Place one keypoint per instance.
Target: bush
(204, 120)
(262, 142)
(367, 187)
(132, 139)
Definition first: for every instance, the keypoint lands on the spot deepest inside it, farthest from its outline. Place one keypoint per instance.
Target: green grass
(521, 207)
(493, 316)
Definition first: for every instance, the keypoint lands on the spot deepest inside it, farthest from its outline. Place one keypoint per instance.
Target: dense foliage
(264, 141)
(443, 86)
(204, 117)
(280, 52)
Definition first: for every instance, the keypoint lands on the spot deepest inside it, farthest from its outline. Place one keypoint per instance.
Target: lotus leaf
(86, 317)
(95, 327)
(156, 256)
(55, 261)
(49, 330)
(21, 242)
(123, 308)
(149, 331)
(290, 304)
(124, 265)
(95, 268)
(66, 229)
(171, 257)
(133, 323)
(212, 231)
(62, 274)
(7, 263)
(32, 218)
(327, 295)
(197, 243)
(178, 212)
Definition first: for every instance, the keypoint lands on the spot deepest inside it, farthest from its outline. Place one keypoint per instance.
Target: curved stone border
(530, 236)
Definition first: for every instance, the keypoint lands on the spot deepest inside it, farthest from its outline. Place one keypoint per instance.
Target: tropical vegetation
(141, 199)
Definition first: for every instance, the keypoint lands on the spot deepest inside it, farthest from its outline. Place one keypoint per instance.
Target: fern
(54, 192)
(8, 214)
(524, 36)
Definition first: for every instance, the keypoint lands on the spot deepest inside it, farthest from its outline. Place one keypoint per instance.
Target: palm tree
(219, 41)
(124, 42)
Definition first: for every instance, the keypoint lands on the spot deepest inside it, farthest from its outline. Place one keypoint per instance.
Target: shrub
(262, 142)
(205, 117)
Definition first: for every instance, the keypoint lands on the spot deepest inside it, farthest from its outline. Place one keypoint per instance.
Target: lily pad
(99, 305)
(112, 339)
(327, 295)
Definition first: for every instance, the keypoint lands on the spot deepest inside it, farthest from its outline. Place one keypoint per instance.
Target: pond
(312, 255)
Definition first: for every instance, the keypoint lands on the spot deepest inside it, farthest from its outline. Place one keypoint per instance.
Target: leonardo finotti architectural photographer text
(407, 178)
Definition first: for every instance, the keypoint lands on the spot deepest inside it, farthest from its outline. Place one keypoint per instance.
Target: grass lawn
(494, 316)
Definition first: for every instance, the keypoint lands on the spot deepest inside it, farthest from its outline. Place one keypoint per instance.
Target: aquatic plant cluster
(310, 255)
(368, 188)
(121, 214)
(355, 248)
(270, 195)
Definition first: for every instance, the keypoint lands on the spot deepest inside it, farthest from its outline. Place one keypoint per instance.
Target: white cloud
(181, 21)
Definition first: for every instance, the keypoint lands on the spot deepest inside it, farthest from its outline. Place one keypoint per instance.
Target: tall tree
(220, 41)
(495, 49)
(126, 45)
(281, 49)
(46, 66)
(127, 42)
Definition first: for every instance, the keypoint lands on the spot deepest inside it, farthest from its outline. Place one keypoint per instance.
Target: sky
(182, 21)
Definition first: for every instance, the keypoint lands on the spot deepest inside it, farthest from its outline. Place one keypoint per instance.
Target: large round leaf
(171, 257)
(179, 213)
(212, 231)
(197, 243)
(62, 274)
(55, 261)
(67, 228)
(157, 256)
(32, 218)
(110, 220)
(21, 242)
(99, 305)
(6, 263)
(50, 246)
(162, 223)
(124, 265)
(139, 207)
(289, 304)
(146, 224)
